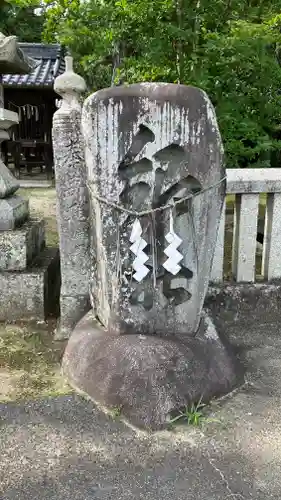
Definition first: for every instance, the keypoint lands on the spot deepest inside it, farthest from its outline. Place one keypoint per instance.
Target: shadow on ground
(66, 448)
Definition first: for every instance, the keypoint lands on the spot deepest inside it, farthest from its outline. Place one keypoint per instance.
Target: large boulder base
(147, 377)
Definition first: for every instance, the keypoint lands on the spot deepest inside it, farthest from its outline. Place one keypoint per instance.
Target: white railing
(247, 185)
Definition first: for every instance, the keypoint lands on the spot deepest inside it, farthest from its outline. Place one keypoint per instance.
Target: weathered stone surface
(72, 308)
(13, 212)
(8, 183)
(12, 59)
(147, 377)
(8, 118)
(72, 204)
(4, 135)
(148, 145)
(32, 294)
(19, 247)
(242, 302)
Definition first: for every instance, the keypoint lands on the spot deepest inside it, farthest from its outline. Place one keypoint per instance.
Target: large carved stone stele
(148, 145)
(157, 184)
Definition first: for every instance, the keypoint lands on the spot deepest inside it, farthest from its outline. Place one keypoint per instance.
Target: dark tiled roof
(50, 59)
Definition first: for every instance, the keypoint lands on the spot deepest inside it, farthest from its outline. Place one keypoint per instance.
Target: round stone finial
(69, 82)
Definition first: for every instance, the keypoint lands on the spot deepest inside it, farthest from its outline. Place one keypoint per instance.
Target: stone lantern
(13, 209)
(29, 272)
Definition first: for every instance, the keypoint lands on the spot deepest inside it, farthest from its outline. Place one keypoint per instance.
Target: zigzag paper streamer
(137, 249)
(174, 256)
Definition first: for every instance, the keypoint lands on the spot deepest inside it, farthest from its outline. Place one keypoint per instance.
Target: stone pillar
(72, 201)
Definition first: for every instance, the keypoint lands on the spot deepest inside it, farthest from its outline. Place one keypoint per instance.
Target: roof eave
(32, 87)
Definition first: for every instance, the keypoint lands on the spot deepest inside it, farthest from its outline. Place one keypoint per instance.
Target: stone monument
(24, 280)
(156, 176)
(156, 184)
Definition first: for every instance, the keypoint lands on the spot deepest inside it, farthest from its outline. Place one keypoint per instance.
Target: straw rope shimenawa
(150, 211)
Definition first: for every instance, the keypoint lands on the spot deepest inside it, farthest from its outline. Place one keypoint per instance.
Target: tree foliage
(229, 48)
(18, 18)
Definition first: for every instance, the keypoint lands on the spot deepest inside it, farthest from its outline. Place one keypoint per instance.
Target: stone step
(32, 294)
(14, 210)
(19, 247)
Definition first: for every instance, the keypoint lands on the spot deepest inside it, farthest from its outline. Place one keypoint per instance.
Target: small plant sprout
(193, 415)
(116, 411)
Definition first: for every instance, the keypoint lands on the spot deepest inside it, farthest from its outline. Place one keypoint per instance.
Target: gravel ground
(65, 448)
(58, 446)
